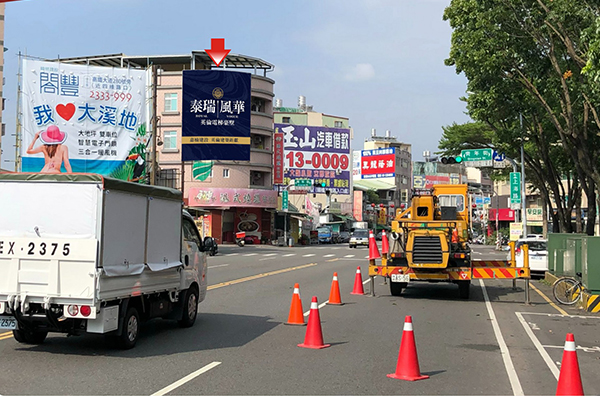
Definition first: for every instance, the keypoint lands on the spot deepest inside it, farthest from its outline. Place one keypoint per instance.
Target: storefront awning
(373, 185)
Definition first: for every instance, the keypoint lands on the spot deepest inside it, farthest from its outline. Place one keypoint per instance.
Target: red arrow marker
(218, 52)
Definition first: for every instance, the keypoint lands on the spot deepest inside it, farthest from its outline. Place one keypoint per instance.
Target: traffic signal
(452, 160)
(321, 184)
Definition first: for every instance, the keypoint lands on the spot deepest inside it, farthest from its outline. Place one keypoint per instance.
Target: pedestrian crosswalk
(322, 255)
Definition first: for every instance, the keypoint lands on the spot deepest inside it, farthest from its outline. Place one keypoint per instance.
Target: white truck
(81, 253)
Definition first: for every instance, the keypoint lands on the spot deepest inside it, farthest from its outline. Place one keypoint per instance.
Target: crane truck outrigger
(429, 242)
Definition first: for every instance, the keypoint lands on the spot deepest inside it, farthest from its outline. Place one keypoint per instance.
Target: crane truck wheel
(30, 337)
(396, 287)
(464, 289)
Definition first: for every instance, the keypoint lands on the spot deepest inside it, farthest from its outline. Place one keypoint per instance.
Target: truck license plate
(8, 323)
(401, 278)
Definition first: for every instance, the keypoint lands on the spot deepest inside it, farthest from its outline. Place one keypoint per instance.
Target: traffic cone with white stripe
(334, 295)
(373, 250)
(569, 381)
(407, 367)
(314, 336)
(296, 316)
(385, 245)
(358, 284)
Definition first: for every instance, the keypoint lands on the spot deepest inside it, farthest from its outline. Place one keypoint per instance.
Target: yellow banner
(214, 140)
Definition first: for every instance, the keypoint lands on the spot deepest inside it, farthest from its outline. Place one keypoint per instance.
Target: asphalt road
(239, 345)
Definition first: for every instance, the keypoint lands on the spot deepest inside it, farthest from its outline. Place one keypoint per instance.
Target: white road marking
(349, 256)
(367, 281)
(250, 254)
(320, 306)
(508, 364)
(579, 347)
(538, 345)
(289, 255)
(270, 254)
(308, 255)
(561, 316)
(185, 379)
(366, 257)
(217, 266)
(268, 258)
(329, 255)
(232, 254)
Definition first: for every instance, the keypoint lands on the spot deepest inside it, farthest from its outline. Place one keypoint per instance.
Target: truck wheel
(396, 287)
(190, 308)
(464, 289)
(30, 337)
(131, 329)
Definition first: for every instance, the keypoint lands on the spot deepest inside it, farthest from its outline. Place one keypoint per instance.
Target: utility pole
(523, 197)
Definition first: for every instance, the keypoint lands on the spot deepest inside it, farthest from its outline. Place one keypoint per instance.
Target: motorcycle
(210, 246)
(240, 238)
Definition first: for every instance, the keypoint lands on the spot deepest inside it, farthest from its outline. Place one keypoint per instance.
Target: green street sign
(303, 182)
(478, 157)
(515, 187)
(284, 201)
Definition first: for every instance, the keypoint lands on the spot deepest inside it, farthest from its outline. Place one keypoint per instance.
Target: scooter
(240, 238)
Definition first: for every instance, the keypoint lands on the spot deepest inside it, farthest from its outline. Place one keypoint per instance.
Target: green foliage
(372, 196)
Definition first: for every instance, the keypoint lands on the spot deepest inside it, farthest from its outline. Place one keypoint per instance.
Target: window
(190, 234)
(170, 102)
(257, 178)
(170, 140)
(258, 142)
(167, 178)
(338, 124)
(453, 200)
(226, 173)
(285, 120)
(257, 104)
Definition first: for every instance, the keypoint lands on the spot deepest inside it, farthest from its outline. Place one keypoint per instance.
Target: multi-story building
(339, 204)
(235, 180)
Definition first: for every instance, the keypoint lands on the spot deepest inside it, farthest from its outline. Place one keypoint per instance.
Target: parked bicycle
(568, 290)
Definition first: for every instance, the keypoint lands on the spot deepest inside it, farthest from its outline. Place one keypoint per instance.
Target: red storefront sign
(377, 165)
(504, 214)
(357, 210)
(278, 158)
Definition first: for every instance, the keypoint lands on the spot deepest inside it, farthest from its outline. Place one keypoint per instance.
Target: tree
(526, 58)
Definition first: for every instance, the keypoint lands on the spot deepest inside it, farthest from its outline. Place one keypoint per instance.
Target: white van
(81, 253)
(538, 254)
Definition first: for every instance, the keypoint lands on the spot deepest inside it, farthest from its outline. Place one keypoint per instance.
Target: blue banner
(216, 115)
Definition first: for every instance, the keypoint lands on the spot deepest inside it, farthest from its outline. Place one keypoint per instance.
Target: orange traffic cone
(385, 245)
(358, 285)
(314, 336)
(296, 316)
(373, 250)
(334, 295)
(569, 381)
(407, 367)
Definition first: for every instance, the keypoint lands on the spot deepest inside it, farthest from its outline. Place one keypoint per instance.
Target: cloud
(361, 72)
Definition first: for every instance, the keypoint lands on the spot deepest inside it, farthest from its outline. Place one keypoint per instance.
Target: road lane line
(508, 364)
(319, 306)
(329, 255)
(289, 255)
(3, 334)
(538, 345)
(559, 309)
(561, 316)
(232, 254)
(253, 277)
(268, 258)
(367, 281)
(270, 254)
(349, 256)
(250, 254)
(332, 260)
(308, 255)
(6, 337)
(185, 379)
(217, 266)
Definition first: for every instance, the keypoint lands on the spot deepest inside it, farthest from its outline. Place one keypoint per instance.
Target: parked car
(359, 238)
(344, 237)
(211, 246)
(378, 236)
(538, 255)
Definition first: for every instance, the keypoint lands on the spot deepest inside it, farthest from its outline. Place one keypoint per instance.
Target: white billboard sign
(79, 118)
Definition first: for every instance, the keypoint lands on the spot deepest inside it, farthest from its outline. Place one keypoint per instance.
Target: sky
(378, 62)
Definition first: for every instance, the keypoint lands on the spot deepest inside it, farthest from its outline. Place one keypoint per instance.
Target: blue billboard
(216, 115)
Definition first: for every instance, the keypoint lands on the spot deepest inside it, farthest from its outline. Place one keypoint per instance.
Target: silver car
(538, 254)
(359, 238)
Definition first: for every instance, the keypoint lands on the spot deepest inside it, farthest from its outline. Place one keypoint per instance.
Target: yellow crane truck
(429, 242)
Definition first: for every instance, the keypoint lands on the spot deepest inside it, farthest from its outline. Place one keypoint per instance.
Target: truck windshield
(360, 234)
(453, 200)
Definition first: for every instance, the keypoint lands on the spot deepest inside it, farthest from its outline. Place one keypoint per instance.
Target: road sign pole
(523, 192)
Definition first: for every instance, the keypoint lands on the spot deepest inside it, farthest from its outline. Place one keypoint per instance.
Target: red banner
(375, 166)
(357, 210)
(504, 214)
(278, 158)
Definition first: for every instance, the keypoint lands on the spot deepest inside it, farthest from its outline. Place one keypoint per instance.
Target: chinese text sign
(378, 163)
(216, 115)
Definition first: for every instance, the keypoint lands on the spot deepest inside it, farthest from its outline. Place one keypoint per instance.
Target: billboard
(234, 197)
(357, 209)
(278, 158)
(318, 153)
(356, 174)
(375, 164)
(216, 115)
(79, 118)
